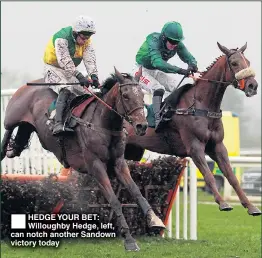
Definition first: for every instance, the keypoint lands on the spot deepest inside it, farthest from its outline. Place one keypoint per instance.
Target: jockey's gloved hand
(183, 72)
(192, 68)
(95, 80)
(82, 79)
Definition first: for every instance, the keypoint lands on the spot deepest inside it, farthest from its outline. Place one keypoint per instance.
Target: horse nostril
(252, 86)
(141, 127)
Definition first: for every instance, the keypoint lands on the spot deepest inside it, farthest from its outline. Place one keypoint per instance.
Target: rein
(238, 82)
(126, 115)
(208, 80)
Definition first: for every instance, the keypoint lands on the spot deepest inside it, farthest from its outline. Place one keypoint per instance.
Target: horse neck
(104, 116)
(209, 95)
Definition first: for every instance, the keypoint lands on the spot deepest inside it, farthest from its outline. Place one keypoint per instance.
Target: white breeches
(152, 80)
(53, 74)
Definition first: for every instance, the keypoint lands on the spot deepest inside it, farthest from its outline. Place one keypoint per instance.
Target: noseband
(237, 77)
(242, 74)
(127, 113)
(237, 82)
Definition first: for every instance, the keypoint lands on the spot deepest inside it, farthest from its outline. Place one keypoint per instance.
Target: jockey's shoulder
(153, 36)
(65, 32)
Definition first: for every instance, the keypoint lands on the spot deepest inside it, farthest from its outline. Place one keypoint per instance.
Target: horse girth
(97, 128)
(197, 112)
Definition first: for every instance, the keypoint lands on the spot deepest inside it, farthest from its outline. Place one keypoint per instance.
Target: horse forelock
(128, 76)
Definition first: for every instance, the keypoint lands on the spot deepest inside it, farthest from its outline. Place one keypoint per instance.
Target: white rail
(235, 162)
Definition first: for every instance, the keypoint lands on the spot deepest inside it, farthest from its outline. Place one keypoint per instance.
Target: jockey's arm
(63, 57)
(157, 61)
(185, 55)
(89, 59)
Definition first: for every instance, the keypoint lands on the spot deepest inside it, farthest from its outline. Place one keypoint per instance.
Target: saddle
(167, 107)
(76, 107)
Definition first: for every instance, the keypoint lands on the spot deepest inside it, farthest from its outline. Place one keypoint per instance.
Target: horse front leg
(123, 174)
(99, 171)
(220, 156)
(197, 153)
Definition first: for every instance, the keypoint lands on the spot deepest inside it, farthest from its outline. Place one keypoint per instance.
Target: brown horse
(98, 143)
(195, 127)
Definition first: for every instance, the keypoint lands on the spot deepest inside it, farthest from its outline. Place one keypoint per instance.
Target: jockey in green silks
(158, 76)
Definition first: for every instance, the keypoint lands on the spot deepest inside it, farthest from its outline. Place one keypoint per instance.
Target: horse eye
(234, 63)
(125, 96)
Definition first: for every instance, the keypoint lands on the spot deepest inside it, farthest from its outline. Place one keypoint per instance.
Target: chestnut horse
(98, 143)
(195, 127)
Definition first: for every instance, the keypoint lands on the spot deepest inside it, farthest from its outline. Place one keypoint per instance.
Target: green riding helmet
(173, 30)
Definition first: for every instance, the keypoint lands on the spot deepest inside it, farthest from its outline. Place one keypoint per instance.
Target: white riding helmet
(84, 23)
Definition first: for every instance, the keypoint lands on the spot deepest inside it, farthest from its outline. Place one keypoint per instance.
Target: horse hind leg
(5, 141)
(21, 140)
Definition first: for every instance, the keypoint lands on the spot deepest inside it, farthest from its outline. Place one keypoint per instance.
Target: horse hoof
(131, 246)
(156, 224)
(11, 154)
(254, 211)
(225, 207)
(153, 221)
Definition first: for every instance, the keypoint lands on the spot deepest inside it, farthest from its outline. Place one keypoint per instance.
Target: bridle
(127, 113)
(238, 80)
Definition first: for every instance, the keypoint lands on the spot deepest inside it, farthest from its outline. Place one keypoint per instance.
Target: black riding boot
(157, 100)
(61, 104)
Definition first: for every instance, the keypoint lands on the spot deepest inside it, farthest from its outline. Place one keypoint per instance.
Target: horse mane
(214, 62)
(112, 80)
(210, 66)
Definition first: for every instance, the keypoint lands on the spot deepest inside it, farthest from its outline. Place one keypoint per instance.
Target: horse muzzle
(140, 128)
(251, 87)
(138, 120)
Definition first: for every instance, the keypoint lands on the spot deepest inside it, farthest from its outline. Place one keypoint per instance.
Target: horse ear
(225, 50)
(138, 74)
(242, 49)
(119, 76)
